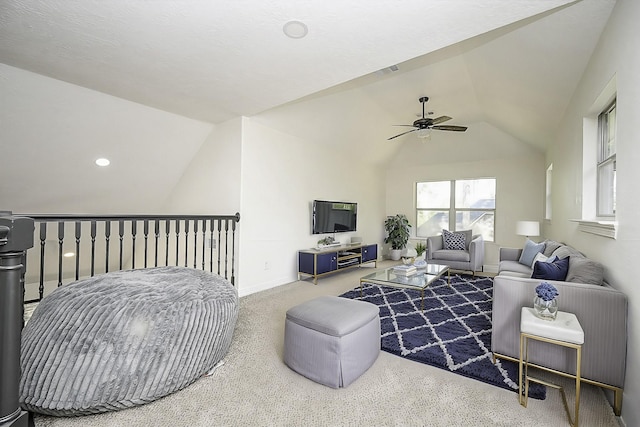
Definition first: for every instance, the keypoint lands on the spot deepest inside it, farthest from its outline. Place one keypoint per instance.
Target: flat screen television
(334, 217)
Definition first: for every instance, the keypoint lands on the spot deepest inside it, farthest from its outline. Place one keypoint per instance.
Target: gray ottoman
(332, 340)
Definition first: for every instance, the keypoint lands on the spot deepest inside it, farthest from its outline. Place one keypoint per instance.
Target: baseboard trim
(490, 268)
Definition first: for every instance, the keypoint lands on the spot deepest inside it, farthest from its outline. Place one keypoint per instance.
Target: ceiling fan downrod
(424, 100)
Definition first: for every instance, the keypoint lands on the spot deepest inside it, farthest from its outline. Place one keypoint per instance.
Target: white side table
(566, 331)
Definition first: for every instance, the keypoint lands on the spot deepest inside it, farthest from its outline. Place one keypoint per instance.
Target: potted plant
(326, 241)
(397, 228)
(421, 248)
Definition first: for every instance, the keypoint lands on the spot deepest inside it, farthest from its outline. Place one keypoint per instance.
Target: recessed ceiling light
(102, 162)
(295, 29)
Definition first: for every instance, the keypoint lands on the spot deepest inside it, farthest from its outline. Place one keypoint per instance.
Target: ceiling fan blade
(450, 127)
(405, 125)
(440, 119)
(403, 133)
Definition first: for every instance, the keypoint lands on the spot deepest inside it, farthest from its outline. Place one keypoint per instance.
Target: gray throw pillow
(565, 251)
(550, 246)
(585, 270)
(468, 237)
(531, 249)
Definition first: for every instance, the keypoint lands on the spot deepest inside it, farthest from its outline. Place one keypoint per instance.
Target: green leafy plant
(326, 241)
(397, 228)
(420, 248)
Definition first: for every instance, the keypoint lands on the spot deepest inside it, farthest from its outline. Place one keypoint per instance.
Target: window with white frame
(599, 167)
(463, 204)
(606, 188)
(547, 206)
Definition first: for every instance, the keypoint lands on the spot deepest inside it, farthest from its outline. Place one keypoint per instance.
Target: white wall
(211, 183)
(482, 151)
(271, 178)
(618, 54)
(51, 132)
(281, 176)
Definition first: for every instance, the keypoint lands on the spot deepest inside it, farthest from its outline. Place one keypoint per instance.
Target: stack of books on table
(405, 270)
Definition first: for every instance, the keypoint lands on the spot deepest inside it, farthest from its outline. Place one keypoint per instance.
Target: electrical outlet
(210, 243)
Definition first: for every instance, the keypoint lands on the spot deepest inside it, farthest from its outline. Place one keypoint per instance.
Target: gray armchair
(470, 259)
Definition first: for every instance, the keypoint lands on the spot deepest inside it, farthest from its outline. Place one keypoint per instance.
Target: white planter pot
(395, 254)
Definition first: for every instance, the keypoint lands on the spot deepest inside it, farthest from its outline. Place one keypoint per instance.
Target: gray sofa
(581, 268)
(470, 259)
(600, 309)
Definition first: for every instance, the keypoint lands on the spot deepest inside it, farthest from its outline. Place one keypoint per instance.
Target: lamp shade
(528, 228)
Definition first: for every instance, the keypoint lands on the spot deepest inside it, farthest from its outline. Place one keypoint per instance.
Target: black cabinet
(318, 262)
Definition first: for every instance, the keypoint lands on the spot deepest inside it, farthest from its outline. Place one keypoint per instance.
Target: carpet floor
(255, 388)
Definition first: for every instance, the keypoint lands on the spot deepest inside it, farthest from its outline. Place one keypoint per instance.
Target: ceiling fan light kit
(424, 125)
(424, 134)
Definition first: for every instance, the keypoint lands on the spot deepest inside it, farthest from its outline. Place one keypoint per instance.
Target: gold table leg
(524, 364)
(520, 373)
(578, 364)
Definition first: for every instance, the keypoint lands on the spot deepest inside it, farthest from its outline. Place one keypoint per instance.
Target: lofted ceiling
(518, 78)
(213, 61)
(513, 64)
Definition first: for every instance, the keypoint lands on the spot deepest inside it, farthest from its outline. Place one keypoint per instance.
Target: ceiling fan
(425, 123)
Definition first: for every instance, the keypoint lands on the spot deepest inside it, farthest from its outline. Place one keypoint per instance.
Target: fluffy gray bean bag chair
(124, 339)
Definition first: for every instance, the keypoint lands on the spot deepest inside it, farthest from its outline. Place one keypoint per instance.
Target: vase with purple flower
(545, 303)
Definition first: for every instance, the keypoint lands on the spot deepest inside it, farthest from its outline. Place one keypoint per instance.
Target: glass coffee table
(419, 281)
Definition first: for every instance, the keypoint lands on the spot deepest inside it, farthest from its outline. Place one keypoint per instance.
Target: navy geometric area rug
(453, 332)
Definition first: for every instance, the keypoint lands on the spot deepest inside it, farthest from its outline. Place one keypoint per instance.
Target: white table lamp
(528, 228)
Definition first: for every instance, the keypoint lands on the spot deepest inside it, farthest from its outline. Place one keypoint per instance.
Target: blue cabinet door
(306, 263)
(369, 253)
(326, 262)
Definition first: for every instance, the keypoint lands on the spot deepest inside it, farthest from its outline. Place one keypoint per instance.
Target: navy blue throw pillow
(556, 270)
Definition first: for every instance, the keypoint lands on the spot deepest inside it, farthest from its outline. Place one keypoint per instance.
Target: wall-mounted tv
(334, 217)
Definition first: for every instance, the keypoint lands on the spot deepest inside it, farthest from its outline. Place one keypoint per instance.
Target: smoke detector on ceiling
(295, 29)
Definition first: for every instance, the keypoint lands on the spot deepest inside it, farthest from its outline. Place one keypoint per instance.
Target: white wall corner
(490, 268)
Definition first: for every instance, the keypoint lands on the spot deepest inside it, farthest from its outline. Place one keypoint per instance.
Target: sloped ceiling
(519, 78)
(512, 64)
(213, 61)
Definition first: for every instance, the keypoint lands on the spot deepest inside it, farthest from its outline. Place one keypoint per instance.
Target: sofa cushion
(550, 246)
(556, 270)
(514, 268)
(451, 255)
(585, 270)
(531, 249)
(454, 241)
